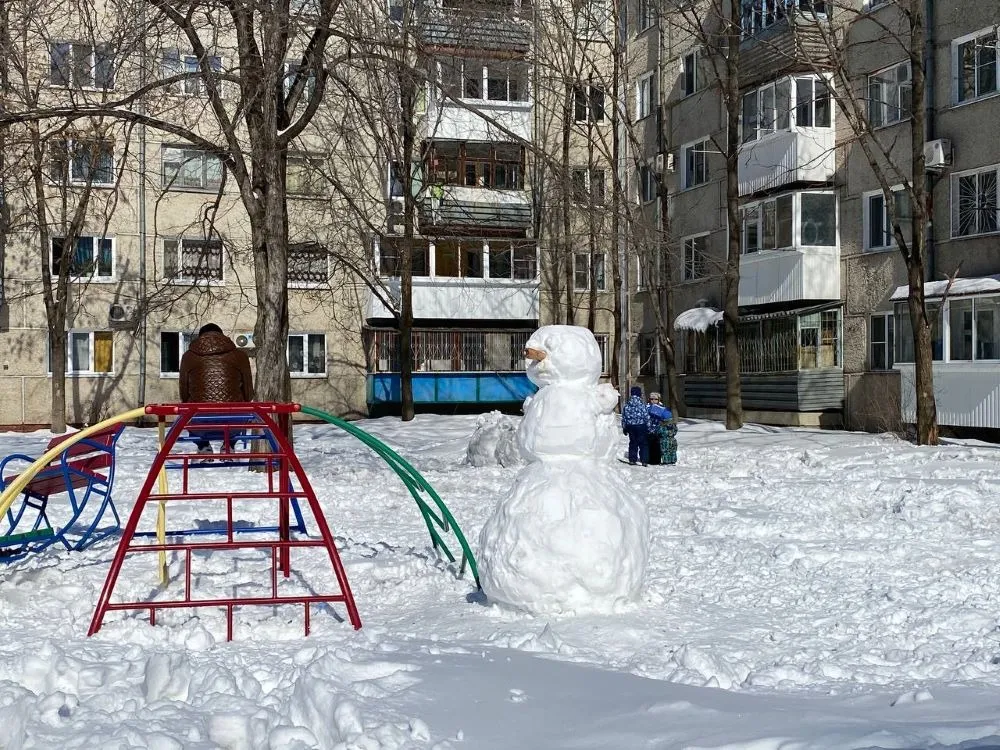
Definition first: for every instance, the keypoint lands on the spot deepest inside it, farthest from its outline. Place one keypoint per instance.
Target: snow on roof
(977, 285)
(697, 319)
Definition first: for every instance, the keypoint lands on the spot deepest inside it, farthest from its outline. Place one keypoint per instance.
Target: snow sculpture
(494, 442)
(569, 537)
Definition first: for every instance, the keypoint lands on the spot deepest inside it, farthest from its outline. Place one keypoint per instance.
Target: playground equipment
(281, 465)
(236, 423)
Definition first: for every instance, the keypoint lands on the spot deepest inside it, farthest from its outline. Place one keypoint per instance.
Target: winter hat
(635, 391)
(654, 396)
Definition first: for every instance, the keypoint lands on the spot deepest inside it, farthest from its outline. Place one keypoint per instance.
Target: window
(880, 356)
(303, 176)
(173, 344)
(644, 96)
(308, 264)
(588, 103)
(976, 64)
(793, 220)
(294, 71)
(696, 163)
(191, 169)
(458, 258)
(812, 103)
(877, 227)
(173, 63)
(647, 183)
(582, 272)
(515, 259)
(81, 66)
(647, 355)
(757, 15)
(695, 257)
(767, 109)
(645, 15)
(603, 343)
(889, 95)
(390, 257)
(691, 73)
(83, 162)
(192, 260)
(975, 204)
(485, 80)
(396, 9)
(870, 4)
(592, 18)
(306, 354)
(94, 258)
(471, 164)
(974, 328)
(588, 186)
(88, 353)
(903, 334)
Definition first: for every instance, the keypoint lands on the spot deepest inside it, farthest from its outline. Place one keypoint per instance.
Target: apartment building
(824, 332)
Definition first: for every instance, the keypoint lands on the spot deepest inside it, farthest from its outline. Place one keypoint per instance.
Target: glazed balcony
(805, 155)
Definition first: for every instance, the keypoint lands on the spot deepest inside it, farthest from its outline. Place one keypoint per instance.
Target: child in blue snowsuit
(635, 424)
(662, 432)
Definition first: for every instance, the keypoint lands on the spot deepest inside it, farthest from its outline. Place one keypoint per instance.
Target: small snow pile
(569, 537)
(494, 442)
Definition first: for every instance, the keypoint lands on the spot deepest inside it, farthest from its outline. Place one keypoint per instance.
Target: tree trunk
(566, 205)
(731, 276)
(408, 133)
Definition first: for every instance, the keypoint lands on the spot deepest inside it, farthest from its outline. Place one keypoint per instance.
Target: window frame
(645, 16)
(188, 62)
(796, 225)
(602, 277)
(699, 258)
(305, 374)
(184, 339)
(956, 204)
(703, 143)
(645, 95)
(64, 162)
(604, 344)
(462, 161)
(866, 210)
(956, 66)
(649, 366)
(772, 12)
(297, 252)
(888, 328)
(190, 280)
(876, 78)
(72, 68)
(91, 334)
(691, 69)
(940, 315)
(584, 99)
(95, 251)
(187, 156)
(646, 183)
(309, 166)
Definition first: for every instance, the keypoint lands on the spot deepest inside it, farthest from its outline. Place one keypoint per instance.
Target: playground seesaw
(264, 428)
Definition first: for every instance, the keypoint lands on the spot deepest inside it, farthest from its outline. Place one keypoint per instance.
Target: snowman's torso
(561, 422)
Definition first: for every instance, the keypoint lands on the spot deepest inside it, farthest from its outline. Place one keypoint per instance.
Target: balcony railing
(450, 351)
(477, 208)
(787, 156)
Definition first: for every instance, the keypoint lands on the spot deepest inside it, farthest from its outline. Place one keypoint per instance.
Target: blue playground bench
(85, 472)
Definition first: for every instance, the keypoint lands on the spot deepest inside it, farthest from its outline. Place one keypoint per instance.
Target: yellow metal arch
(12, 492)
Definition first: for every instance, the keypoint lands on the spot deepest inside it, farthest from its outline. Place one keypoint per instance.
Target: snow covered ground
(806, 590)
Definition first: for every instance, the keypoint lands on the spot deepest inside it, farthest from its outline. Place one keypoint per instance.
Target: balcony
(478, 120)
(782, 36)
(477, 209)
(773, 276)
(488, 29)
(787, 156)
(436, 298)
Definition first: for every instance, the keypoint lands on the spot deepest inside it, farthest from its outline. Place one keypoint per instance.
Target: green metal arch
(416, 485)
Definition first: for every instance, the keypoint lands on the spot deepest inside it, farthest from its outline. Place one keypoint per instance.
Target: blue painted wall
(453, 387)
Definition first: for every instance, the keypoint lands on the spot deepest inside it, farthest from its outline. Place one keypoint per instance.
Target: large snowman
(569, 537)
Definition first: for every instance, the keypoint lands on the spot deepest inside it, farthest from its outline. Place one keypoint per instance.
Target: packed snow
(805, 590)
(569, 537)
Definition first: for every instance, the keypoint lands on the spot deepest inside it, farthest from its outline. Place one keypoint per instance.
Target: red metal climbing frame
(281, 465)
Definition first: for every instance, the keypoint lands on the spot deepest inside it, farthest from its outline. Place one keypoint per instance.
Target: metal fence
(450, 351)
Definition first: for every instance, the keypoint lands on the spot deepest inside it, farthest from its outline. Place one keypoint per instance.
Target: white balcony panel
(967, 394)
(790, 276)
(500, 121)
(806, 154)
(469, 299)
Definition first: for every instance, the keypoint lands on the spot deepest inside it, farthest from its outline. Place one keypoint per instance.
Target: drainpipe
(141, 302)
(929, 131)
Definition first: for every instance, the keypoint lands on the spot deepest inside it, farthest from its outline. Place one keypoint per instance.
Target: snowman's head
(564, 354)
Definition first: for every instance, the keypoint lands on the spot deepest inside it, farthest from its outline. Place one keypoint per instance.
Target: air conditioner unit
(244, 340)
(937, 154)
(120, 314)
